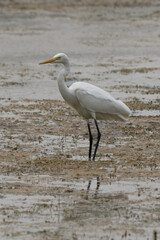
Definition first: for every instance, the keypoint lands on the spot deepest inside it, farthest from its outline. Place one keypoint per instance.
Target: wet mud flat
(49, 189)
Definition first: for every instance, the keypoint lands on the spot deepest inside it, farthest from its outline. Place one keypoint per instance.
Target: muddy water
(48, 189)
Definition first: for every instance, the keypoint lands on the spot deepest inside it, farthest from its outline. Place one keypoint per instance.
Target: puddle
(146, 113)
(31, 214)
(68, 202)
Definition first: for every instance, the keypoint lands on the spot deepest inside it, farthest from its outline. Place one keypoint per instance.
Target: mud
(48, 188)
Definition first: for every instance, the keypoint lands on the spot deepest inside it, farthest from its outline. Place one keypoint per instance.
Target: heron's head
(58, 58)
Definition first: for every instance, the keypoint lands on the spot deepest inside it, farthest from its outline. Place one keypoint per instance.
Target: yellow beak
(50, 60)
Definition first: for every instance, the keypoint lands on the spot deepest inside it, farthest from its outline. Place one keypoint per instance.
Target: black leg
(90, 141)
(98, 139)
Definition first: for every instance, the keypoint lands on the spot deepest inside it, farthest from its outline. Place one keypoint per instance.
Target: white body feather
(94, 102)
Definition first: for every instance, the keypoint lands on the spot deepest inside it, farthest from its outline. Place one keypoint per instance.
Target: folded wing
(100, 102)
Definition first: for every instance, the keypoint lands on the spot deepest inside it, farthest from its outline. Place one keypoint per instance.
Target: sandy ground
(48, 188)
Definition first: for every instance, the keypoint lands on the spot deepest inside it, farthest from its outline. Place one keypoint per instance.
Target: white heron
(89, 101)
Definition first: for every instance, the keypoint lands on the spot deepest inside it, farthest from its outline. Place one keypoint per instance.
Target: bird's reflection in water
(95, 195)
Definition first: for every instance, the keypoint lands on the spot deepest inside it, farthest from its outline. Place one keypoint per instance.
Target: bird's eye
(58, 58)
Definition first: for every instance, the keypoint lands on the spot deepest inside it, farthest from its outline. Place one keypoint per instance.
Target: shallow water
(116, 46)
(49, 189)
(42, 214)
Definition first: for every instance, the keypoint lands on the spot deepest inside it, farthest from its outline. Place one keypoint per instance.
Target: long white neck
(64, 90)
